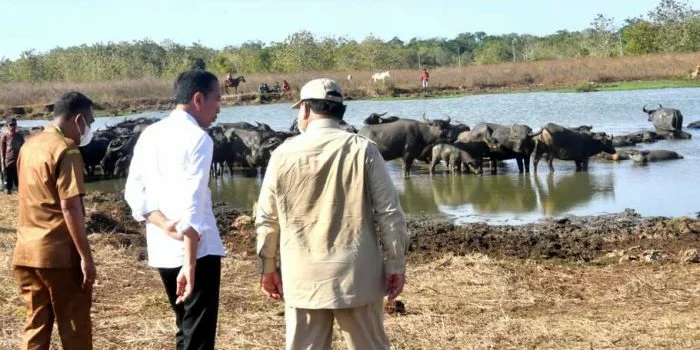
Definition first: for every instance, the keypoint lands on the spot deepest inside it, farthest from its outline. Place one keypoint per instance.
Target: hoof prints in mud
(576, 238)
(570, 238)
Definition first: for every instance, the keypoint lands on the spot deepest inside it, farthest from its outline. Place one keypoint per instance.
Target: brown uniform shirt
(51, 169)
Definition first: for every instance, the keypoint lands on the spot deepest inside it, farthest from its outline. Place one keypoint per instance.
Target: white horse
(380, 76)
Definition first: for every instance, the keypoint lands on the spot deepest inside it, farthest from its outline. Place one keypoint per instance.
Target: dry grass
(456, 302)
(542, 74)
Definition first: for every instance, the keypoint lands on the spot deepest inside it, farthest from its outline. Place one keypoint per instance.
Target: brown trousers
(55, 294)
(362, 327)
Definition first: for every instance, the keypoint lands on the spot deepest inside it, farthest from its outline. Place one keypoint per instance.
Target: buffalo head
(650, 111)
(520, 137)
(605, 141)
(440, 128)
(374, 118)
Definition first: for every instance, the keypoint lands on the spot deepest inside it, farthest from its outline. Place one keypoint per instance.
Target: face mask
(86, 136)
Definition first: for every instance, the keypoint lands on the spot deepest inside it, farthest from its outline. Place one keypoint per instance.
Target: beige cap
(318, 89)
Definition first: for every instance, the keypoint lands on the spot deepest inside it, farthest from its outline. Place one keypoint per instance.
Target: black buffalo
(93, 153)
(407, 139)
(562, 143)
(507, 142)
(375, 118)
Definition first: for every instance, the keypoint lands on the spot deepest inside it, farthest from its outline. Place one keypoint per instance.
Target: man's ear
(198, 98)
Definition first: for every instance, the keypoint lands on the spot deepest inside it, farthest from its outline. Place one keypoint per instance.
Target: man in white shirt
(168, 188)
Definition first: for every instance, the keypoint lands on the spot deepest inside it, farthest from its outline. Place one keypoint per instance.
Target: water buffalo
(454, 157)
(582, 128)
(459, 129)
(259, 144)
(93, 153)
(514, 142)
(617, 156)
(635, 138)
(375, 118)
(246, 126)
(343, 125)
(121, 166)
(117, 149)
(220, 149)
(237, 149)
(654, 156)
(665, 119)
(407, 139)
(565, 144)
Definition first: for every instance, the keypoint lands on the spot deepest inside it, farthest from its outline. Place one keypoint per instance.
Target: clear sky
(45, 24)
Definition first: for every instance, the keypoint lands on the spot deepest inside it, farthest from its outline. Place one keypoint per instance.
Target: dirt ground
(618, 281)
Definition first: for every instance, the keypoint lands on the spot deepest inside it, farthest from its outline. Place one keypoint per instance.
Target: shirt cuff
(183, 226)
(269, 265)
(148, 208)
(394, 266)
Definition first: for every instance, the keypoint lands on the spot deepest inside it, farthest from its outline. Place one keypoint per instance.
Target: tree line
(672, 26)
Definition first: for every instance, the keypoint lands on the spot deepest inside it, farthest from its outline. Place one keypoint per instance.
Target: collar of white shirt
(181, 114)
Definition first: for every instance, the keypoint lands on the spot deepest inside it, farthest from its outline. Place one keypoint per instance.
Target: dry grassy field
(538, 75)
(452, 301)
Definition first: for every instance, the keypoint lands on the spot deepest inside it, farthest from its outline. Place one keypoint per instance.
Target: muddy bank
(133, 106)
(127, 107)
(623, 236)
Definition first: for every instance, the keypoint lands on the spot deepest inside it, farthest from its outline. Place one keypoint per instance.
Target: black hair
(335, 110)
(70, 104)
(190, 82)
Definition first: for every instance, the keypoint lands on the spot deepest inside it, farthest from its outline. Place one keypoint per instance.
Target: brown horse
(233, 82)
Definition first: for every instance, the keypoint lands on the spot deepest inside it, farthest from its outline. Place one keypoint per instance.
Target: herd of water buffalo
(246, 145)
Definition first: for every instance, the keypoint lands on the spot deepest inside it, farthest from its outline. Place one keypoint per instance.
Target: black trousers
(11, 180)
(196, 318)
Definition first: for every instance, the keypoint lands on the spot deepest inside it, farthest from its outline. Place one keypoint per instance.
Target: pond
(666, 188)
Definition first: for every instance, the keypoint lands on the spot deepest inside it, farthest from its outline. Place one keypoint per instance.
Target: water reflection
(417, 196)
(571, 190)
(241, 191)
(486, 194)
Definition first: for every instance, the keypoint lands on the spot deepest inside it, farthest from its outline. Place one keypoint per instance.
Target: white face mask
(86, 136)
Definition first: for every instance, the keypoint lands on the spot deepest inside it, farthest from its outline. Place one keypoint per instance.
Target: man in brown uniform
(10, 143)
(52, 262)
(323, 192)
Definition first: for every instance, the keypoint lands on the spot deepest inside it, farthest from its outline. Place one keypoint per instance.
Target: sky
(46, 24)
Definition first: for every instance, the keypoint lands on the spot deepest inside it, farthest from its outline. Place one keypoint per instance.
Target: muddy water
(668, 188)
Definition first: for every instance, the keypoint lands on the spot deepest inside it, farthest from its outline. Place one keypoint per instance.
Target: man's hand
(272, 285)
(89, 273)
(393, 285)
(168, 227)
(185, 283)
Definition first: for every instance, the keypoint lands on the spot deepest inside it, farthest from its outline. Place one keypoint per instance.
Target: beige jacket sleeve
(388, 214)
(267, 220)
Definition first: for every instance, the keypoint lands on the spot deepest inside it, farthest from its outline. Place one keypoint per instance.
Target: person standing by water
(52, 262)
(424, 77)
(168, 188)
(10, 143)
(322, 194)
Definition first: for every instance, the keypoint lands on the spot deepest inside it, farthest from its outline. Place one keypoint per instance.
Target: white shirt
(170, 172)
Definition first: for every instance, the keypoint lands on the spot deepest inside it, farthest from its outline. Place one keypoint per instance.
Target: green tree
(640, 38)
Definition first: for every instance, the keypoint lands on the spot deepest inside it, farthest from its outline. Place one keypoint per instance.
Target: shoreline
(571, 238)
(141, 105)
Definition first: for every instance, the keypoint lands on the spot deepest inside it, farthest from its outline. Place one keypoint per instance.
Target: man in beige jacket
(323, 192)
